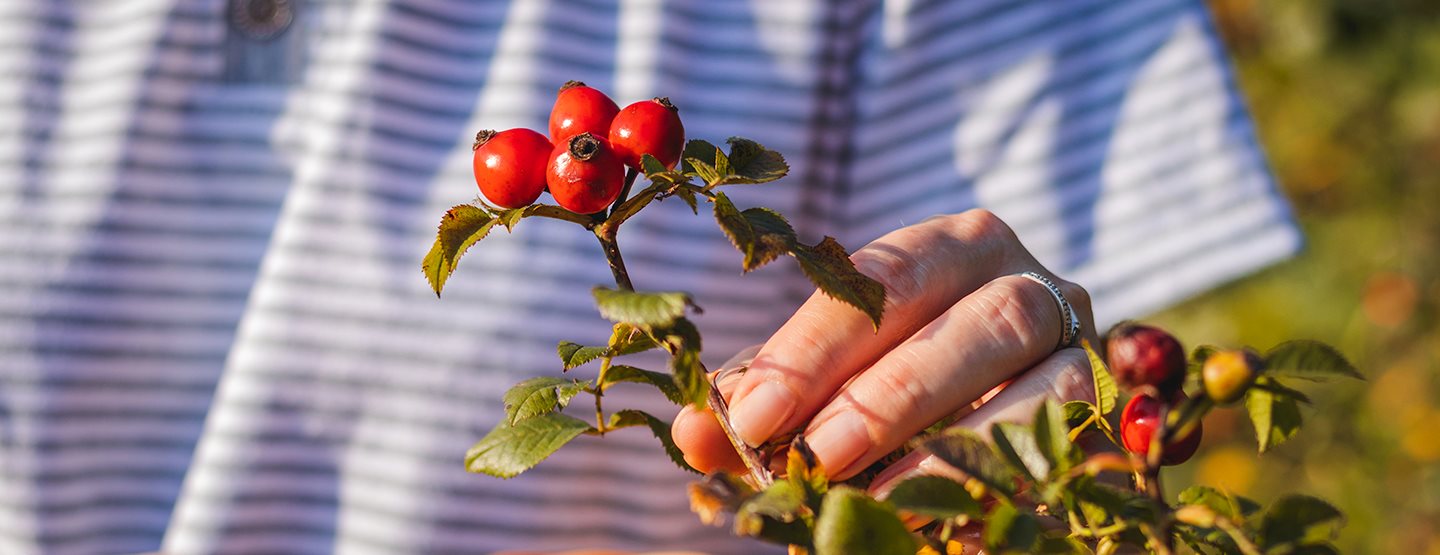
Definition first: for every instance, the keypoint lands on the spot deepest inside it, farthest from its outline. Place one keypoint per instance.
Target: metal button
(261, 19)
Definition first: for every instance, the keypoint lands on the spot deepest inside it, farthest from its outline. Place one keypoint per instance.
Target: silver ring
(1070, 330)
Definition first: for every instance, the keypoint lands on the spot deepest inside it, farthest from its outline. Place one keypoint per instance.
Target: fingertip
(703, 442)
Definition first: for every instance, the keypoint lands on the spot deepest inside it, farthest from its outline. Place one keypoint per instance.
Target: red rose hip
(510, 166)
(584, 175)
(1141, 355)
(648, 127)
(1140, 420)
(580, 109)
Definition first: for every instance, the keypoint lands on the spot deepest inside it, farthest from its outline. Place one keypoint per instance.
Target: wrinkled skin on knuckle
(901, 272)
(1008, 310)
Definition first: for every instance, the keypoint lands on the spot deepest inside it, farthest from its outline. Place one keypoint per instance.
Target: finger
(1000, 330)
(702, 440)
(1064, 376)
(924, 268)
(697, 432)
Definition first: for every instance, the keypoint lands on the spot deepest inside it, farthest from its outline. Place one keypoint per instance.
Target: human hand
(959, 322)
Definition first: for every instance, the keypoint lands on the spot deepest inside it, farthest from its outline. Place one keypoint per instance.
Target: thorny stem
(606, 231)
(630, 175)
(606, 235)
(752, 458)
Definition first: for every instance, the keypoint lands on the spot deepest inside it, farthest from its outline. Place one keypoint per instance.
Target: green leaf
(1106, 392)
(697, 151)
(1078, 412)
(621, 373)
(1308, 360)
(1100, 502)
(934, 496)
(852, 522)
(641, 309)
(1299, 519)
(686, 370)
(968, 452)
(628, 340)
(689, 196)
(1276, 417)
(1007, 530)
(1052, 437)
(1232, 507)
(829, 267)
(1273, 385)
(1017, 443)
(509, 450)
(766, 514)
(803, 469)
(537, 396)
(761, 234)
(658, 174)
(658, 427)
(573, 355)
(751, 162)
(460, 227)
(748, 162)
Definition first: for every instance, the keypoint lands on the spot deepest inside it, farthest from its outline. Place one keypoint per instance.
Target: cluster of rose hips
(582, 163)
(1151, 364)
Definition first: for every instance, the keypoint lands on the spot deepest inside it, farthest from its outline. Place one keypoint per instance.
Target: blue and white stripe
(214, 336)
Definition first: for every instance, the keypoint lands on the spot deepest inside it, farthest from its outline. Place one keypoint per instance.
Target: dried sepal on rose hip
(1227, 375)
(580, 109)
(1141, 419)
(648, 127)
(1141, 355)
(584, 174)
(510, 166)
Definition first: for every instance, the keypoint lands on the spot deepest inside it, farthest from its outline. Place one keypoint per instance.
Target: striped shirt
(214, 335)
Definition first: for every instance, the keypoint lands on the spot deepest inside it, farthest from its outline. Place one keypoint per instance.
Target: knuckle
(979, 224)
(1078, 296)
(901, 273)
(1014, 313)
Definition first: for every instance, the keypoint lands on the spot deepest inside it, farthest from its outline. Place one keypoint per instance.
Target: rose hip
(1142, 355)
(580, 109)
(584, 174)
(510, 166)
(648, 127)
(1140, 420)
(1228, 374)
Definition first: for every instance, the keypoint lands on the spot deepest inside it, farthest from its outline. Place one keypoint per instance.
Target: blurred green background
(1346, 96)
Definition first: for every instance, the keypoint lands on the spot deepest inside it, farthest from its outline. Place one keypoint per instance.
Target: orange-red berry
(580, 109)
(1138, 423)
(510, 166)
(648, 127)
(584, 175)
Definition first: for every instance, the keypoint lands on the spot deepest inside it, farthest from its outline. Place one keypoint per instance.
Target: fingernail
(760, 413)
(839, 442)
(885, 484)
